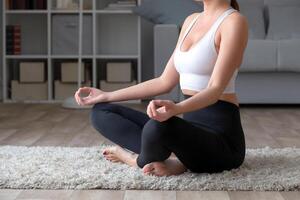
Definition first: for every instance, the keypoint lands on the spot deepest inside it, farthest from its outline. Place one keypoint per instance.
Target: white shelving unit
(116, 36)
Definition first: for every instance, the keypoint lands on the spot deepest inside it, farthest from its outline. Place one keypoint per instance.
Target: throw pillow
(284, 22)
(254, 12)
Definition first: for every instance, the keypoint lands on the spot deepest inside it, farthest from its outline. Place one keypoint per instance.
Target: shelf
(26, 11)
(65, 11)
(102, 11)
(26, 56)
(64, 56)
(107, 35)
(32, 42)
(106, 11)
(117, 56)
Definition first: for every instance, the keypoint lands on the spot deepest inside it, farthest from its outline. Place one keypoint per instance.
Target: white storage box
(29, 91)
(118, 72)
(106, 86)
(32, 72)
(64, 90)
(69, 72)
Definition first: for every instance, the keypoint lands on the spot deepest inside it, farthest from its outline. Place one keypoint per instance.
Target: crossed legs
(154, 141)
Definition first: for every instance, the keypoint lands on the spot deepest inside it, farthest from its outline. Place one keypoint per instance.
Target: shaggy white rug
(22, 167)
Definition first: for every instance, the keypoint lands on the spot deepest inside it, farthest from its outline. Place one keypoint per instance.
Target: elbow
(216, 92)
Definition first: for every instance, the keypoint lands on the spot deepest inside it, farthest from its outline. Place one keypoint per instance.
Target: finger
(149, 111)
(80, 101)
(77, 98)
(84, 90)
(153, 109)
(88, 101)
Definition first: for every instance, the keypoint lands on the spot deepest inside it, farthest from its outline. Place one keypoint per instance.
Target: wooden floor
(51, 125)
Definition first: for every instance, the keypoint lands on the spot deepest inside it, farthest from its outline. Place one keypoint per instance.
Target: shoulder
(234, 31)
(236, 21)
(188, 20)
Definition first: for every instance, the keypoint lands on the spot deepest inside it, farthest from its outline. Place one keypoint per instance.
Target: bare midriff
(230, 97)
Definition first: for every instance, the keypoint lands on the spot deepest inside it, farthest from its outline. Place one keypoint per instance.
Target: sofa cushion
(167, 11)
(253, 10)
(288, 55)
(259, 56)
(255, 18)
(284, 22)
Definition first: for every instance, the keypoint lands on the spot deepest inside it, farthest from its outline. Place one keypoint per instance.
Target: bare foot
(118, 154)
(170, 166)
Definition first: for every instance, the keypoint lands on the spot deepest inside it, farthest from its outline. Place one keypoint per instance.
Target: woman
(209, 138)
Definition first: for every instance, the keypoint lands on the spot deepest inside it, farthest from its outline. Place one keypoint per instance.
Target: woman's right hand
(94, 96)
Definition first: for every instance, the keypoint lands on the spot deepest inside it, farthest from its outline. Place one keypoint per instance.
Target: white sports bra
(195, 66)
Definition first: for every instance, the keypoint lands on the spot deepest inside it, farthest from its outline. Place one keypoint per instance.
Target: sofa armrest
(165, 39)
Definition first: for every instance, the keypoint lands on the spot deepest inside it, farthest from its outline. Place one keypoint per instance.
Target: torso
(230, 97)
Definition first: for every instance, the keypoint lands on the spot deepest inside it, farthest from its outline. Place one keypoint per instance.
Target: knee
(154, 129)
(98, 111)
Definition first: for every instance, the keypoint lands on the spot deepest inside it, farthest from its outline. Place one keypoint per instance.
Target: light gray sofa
(270, 72)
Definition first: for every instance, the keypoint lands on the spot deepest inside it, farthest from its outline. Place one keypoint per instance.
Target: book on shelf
(13, 39)
(26, 4)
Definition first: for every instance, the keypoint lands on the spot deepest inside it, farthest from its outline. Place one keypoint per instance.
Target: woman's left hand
(161, 110)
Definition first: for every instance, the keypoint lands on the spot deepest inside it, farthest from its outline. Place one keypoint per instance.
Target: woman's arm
(152, 87)
(233, 43)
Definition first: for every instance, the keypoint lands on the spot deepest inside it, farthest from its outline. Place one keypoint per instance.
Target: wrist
(107, 96)
(178, 108)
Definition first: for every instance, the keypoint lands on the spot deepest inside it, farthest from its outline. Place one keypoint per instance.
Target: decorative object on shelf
(69, 72)
(167, 11)
(29, 91)
(13, 39)
(119, 72)
(66, 4)
(26, 4)
(32, 72)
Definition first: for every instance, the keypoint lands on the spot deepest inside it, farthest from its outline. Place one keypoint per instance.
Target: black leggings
(208, 140)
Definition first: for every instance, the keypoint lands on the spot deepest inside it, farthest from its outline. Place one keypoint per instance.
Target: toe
(148, 168)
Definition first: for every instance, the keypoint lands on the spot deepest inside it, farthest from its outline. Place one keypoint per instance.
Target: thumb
(159, 102)
(88, 101)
